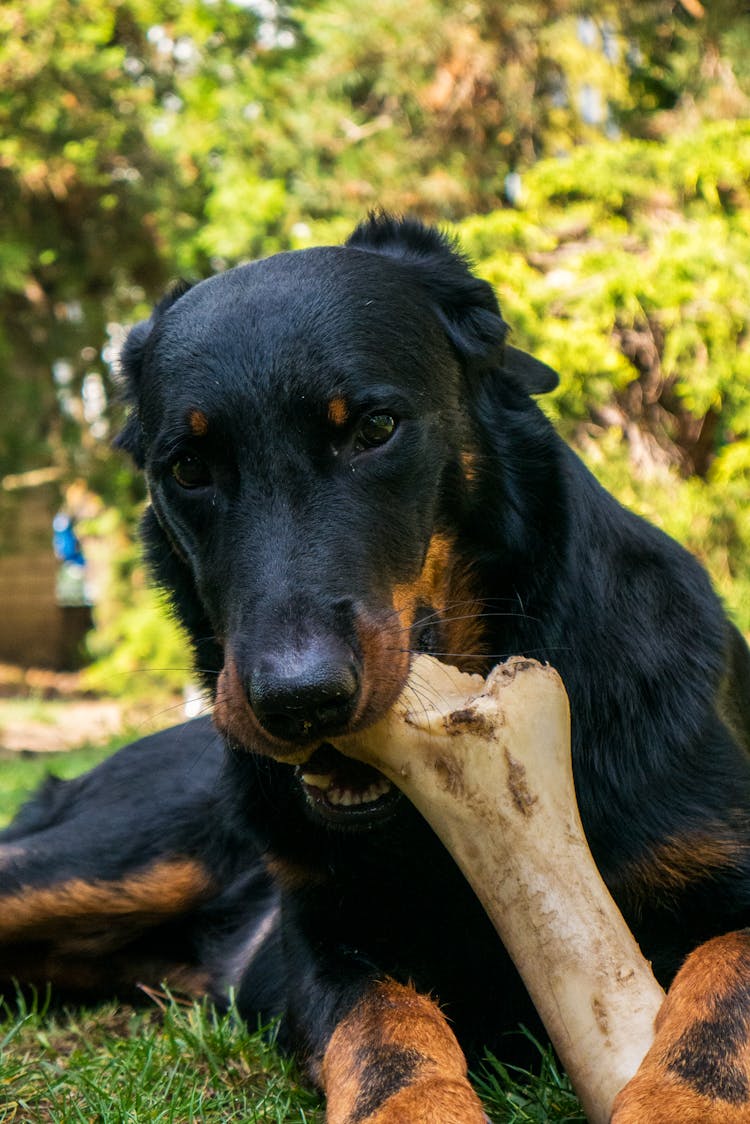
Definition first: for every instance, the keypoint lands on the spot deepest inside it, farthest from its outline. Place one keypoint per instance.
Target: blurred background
(593, 158)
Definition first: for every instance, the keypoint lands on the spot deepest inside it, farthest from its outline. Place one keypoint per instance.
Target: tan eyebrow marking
(198, 423)
(338, 411)
(469, 466)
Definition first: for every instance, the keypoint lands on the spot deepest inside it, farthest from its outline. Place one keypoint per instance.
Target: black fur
(286, 555)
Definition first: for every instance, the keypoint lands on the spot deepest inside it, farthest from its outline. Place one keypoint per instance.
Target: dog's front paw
(436, 1100)
(394, 1060)
(698, 1068)
(654, 1098)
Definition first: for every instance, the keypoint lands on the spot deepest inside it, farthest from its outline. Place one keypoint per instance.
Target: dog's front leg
(698, 1068)
(393, 1059)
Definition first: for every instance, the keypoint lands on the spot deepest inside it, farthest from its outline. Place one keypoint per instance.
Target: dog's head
(307, 431)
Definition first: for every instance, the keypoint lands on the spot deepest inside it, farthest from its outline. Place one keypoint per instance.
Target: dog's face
(304, 429)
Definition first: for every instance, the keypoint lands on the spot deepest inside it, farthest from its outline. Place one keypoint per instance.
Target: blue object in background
(66, 546)
(71, 587)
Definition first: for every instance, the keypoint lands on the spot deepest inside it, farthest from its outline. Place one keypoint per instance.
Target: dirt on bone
(469, 720)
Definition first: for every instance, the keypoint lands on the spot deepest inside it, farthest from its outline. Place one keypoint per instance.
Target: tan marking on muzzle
(445, 583)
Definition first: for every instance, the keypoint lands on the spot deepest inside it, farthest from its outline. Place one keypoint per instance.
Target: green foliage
(73, 225)
(627, 270)
(137, 648)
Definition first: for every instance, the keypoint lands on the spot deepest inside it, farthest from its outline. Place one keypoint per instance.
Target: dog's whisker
(436, 618)
(425, 708)
(438, 614)
(498, 656)
(494, 605)
(189, 670)
(211, 739)
(158, 714)
(429, 687)
(457, 655)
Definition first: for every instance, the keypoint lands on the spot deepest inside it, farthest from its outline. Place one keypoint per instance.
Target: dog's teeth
(346, 798)
(318, 780)
(379, 788)
(340, 796)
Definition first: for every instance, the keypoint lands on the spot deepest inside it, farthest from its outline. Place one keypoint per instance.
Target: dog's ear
(131, 370)
(465, 305)
(535, 377)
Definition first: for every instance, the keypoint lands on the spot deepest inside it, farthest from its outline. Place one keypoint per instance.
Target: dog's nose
(304, 695)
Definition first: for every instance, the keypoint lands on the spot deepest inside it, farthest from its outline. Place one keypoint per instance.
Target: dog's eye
(374, 429)
(191, 471)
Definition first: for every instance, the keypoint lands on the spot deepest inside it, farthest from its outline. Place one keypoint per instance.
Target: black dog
(345, 468)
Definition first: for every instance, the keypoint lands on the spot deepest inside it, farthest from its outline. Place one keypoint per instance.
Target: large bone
(488, 765)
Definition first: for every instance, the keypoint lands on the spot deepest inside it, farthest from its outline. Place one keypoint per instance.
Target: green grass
(179, 1064)
(175, 1063)
(513, 1096)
